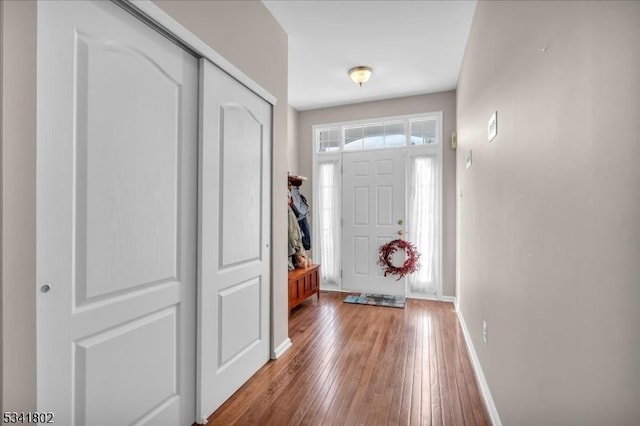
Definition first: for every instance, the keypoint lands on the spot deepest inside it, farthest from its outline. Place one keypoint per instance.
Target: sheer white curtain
(422, 222)
(329, 221)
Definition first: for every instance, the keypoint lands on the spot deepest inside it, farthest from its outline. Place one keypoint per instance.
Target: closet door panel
(116, 219)
(234, 286)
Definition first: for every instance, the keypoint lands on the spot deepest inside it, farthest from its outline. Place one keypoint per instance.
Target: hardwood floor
(356, 365)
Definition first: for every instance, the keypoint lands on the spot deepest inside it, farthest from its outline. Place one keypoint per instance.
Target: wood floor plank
(352, 327)
(324, 373)
(446, 328)
(357, 365)
(405, 407)
(434, 367)
(373, 369)
(464, 410)
(293, 378)
(386, 380)
(416, 395)
(427, 373)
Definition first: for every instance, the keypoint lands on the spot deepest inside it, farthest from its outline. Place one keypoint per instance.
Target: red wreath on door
(385, 258)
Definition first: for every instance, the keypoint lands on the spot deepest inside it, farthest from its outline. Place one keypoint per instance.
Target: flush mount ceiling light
(360, 74)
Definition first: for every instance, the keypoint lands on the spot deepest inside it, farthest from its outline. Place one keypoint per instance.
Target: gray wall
(550, 214)
(18, 205)
(1, 215)
(244, 32)
(445, 102)
(292, 142)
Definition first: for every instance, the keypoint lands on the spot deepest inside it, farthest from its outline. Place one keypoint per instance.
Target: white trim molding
(450, 299)
(281, 349)
(435, 298)
(482, 381)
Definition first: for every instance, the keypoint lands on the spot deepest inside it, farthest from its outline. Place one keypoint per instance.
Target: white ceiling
(414, 47)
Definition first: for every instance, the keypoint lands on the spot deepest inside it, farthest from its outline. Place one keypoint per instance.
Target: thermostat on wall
(492, 127)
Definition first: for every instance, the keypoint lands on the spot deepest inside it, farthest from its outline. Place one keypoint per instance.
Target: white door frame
(411, 151)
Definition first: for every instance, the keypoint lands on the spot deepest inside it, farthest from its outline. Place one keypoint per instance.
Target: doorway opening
(375, 181)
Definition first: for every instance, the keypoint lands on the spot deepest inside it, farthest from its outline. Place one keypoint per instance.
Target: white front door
(234, 263)
(373, 210)
(116, 219)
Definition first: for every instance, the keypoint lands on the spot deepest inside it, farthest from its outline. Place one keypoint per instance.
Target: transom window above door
(379, 134)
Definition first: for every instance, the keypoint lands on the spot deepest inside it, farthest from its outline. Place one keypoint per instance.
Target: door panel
(116, 219)
(234, 284)
(126, 231)
(240, 329)
(148, 346)
(384, 205)
(241, 173)
(374, 202)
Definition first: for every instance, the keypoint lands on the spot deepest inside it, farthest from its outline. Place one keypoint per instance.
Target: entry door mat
(376, 300)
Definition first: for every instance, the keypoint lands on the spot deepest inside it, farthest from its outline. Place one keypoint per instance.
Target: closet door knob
(400, 232)
(45, 288)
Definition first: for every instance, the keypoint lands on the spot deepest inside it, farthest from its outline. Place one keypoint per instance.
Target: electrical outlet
(485, 331)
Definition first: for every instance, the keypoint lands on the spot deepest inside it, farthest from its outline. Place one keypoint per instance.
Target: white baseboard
(450, 299)
(482, 381)
(281, 349)
(329, 288)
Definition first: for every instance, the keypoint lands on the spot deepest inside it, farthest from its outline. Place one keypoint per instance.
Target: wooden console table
(303, 282)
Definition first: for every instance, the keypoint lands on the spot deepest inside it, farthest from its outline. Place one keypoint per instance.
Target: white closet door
(373, 208)
(116, 219)
(234, 262)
